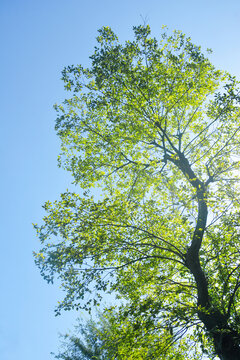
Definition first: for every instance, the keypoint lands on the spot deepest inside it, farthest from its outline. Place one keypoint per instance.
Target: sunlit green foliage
(85, 344)
(151, 133)
(112, 337)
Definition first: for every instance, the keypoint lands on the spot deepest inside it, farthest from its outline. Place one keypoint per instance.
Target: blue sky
(39, 38)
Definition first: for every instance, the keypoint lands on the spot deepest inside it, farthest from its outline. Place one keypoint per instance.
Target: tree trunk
(226, 341)
(227, 345)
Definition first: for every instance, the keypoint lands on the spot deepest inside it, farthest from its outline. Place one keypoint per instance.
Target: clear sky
(39, 38)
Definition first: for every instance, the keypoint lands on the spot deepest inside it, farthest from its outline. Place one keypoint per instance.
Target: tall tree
(154, 127)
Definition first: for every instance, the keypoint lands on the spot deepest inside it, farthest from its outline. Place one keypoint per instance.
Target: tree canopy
(85, 344)
(102, 339)
(151, 134)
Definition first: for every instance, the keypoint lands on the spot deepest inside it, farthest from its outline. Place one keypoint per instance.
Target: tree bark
(226, 340)
(226, 344)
